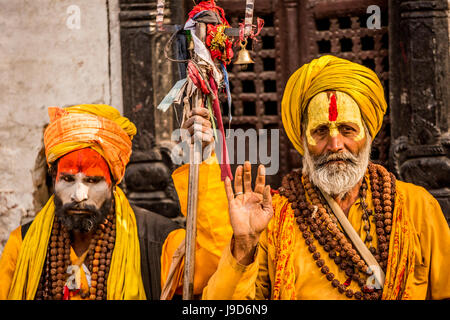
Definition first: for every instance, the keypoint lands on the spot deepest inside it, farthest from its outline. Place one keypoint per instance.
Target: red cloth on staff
(224, 161)
(196, 78)
(209, 6)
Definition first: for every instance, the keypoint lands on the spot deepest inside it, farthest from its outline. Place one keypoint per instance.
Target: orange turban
(331, 73)
(96, 126)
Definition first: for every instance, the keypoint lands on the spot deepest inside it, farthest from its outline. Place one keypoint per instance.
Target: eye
(322, 130)
(93, 179)
(347, 129)
(68, 178)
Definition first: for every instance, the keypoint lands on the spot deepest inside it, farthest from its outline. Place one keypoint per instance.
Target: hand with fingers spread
(250, 211)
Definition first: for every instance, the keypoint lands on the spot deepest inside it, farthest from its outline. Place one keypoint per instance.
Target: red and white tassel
(248, 22)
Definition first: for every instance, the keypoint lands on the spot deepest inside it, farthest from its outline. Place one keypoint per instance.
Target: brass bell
(243, 57)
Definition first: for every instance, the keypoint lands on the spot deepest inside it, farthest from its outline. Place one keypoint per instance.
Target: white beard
(337, 179)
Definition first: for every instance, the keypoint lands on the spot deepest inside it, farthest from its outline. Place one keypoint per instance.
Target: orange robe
(213, 233)
(431, 247)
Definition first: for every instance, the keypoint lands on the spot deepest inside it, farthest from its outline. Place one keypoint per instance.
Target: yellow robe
(431, 278)
(213, 233)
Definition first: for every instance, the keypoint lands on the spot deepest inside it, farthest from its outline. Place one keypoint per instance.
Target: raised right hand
(250, 210)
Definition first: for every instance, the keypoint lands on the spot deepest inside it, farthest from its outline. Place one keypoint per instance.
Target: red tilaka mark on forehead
(332, 110)
(87, 161)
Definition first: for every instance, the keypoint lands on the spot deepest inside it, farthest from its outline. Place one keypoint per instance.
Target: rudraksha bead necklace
(54, 276)
(316, 222)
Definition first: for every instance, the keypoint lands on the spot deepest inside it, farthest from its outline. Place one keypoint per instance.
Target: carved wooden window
(255, 89)
(295, 32)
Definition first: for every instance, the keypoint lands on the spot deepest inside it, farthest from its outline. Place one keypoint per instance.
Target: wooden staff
(191, 219)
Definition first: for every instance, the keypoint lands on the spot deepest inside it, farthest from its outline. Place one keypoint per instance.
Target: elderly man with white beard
(298, 242)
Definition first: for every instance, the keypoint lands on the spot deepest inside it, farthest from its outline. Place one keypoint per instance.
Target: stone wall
(52, 53)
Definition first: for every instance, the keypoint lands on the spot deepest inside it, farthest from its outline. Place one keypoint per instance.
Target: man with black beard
(88, 242)
(88, 218)
(291, 243)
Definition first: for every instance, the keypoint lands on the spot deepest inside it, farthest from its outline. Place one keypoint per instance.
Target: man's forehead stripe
(332, 109)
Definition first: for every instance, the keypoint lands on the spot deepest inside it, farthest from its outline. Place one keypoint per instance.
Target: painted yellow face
(331, 109)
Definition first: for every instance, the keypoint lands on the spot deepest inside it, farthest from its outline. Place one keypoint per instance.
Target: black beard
(82, 223)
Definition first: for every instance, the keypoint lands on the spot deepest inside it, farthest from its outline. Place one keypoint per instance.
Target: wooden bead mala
(54, 276)
(57, 260)
(316, 222)
(100, 253)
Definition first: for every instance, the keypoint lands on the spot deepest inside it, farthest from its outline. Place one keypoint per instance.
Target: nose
(80, 193)
(335, 144)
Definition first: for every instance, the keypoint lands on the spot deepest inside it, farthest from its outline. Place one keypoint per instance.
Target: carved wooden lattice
(254, 90)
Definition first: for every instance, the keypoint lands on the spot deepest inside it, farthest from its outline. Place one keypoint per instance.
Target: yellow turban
(331, 73)
(96, 126)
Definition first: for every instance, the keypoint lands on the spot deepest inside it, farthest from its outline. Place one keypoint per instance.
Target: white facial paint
(83, 189)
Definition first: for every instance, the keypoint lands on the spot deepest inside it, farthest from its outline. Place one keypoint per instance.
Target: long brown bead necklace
(383, 196)
(54, 276)
(57, 260)
(100, 253)
(316, 222)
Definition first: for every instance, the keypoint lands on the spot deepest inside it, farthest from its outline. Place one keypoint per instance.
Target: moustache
(345, 156)
(89, 209)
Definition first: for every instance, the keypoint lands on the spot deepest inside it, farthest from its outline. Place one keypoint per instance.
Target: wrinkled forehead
(333, 106)
(86, 161)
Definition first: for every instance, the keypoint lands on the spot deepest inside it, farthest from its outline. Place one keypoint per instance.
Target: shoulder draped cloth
(101, 128)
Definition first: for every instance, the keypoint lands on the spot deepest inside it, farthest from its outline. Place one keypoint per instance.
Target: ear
(53, 171)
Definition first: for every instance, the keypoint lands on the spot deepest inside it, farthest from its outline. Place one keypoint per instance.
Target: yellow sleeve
(8, 261)
(263, 287)
(438, 235)
(234, 281)
(169, 248)
(432, 243)
(213, 223)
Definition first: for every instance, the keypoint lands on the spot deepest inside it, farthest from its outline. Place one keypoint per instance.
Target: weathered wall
(46, 60)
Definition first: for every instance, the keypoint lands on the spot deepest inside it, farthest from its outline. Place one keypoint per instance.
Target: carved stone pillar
(147, 76)
(419, 100)
(291, 13)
